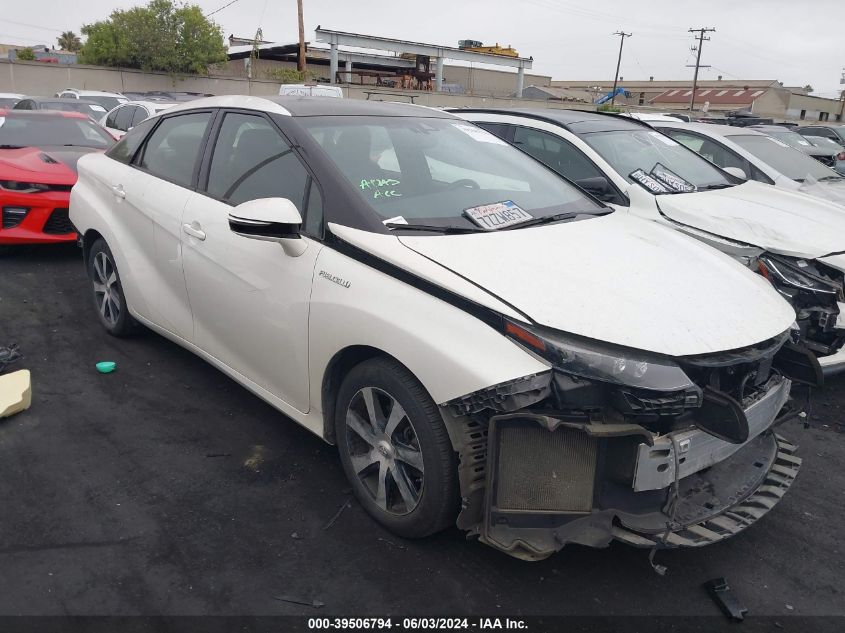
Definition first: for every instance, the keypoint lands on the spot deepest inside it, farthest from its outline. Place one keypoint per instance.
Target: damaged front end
(618, 444)
(815, 290)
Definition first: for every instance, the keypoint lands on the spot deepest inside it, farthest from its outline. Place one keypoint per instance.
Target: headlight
(23, 187)
(600, 361)
(783, 271)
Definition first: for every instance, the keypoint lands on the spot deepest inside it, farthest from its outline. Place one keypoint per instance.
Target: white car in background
(106, 99)
(459, 320)
(759, 156)
(310, 90)
(9, 99)
(127, 115)
(664, 117)
(794, 240)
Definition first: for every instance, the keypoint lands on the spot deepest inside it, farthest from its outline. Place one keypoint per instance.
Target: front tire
(107, 292)
(395, 450)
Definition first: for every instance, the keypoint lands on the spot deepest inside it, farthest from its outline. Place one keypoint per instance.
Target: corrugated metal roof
(733, 96)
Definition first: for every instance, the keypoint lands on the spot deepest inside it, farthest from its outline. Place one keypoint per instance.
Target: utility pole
(622, 35)
(701, 40)
(300, 60)
(842, 97)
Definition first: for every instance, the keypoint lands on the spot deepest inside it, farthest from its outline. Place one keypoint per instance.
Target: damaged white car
(483, 342)
(794, 240)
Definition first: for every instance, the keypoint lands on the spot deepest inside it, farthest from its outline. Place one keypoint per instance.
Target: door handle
(118, 191)
(194, 230)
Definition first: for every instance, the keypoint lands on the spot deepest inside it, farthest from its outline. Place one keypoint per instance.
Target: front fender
(450, 351)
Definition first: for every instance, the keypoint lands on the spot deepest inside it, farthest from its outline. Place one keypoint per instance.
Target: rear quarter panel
(93, 207)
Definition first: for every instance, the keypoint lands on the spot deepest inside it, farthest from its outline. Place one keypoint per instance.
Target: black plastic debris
(720, 591)
(316, 604)
(8, 355)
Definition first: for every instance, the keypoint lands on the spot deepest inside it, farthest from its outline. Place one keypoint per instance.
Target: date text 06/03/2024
(415, 624)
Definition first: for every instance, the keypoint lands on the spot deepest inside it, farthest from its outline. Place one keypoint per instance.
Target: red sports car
(38, 154)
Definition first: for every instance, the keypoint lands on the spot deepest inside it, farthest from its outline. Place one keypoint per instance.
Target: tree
(26, 55)
(808, 88)
(69, 41)
(160, 36)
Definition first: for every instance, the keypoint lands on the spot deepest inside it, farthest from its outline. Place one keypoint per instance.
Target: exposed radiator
(538, 470)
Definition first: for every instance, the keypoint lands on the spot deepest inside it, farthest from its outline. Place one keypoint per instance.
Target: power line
(32, 26)
(701, 40)
(228, 4)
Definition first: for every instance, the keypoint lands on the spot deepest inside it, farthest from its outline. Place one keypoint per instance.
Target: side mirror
(736, 171)
(597, 186)
(269, 220)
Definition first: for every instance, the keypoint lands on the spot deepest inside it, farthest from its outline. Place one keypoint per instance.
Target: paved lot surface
(167, 488)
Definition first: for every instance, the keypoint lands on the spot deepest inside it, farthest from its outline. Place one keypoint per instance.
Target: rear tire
(402, 466)
(107, 292)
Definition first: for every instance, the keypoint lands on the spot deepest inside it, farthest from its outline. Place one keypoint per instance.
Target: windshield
(788, 161)
(791, 138)
(824, 142)
(107, 102)
(652, 153)
(66, 105)
(51, 131)
(441, 172)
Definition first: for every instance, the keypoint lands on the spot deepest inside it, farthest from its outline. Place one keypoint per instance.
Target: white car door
(167, 168)
(250, 300)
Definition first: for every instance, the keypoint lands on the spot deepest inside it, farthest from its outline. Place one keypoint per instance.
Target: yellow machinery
(478, 47)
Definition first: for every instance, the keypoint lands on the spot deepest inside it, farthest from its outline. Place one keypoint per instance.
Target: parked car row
(637, 169)
(542, 351)
(546, 327)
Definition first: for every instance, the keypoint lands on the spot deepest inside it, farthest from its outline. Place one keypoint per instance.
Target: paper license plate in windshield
(497, 215)
(671, 179)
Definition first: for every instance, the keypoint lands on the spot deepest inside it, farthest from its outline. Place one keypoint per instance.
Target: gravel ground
(166, 488)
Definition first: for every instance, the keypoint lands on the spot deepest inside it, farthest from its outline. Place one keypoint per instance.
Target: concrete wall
(32, 78)
(482, 81)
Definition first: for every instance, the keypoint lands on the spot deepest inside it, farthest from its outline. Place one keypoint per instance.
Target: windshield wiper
(435, 229)
(826, 178)
(717, 186)
(12, 146)
(548, 219)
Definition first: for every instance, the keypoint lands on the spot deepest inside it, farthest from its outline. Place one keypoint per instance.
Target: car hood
(613, 278)
(781, 221)
(49, 165)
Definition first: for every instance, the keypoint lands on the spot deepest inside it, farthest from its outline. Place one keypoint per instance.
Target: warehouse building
(764, 97)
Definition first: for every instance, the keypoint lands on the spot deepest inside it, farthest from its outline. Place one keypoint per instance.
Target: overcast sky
(795, 42)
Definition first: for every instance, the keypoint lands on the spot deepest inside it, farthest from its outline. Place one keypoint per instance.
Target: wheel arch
(337, 368)
(90, 236)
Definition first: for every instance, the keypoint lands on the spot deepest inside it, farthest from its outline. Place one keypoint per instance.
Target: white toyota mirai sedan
(482, 341)
(794, 240)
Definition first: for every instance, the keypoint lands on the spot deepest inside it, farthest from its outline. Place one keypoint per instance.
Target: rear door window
(139, 115)
(123, 119)
(172, 150)
(556, 153)
(715, 152)
(125, 149)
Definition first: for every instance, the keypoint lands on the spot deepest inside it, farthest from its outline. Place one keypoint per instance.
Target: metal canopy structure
(342, 38)
(315, 54)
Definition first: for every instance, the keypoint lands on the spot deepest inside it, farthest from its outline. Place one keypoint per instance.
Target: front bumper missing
(697, 449)
(552, 480)
(732, 519)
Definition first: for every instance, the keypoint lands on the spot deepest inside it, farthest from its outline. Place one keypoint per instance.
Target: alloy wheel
(384, 450)
(106, 292)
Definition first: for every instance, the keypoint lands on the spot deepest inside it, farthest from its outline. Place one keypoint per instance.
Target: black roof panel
(577, 121)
